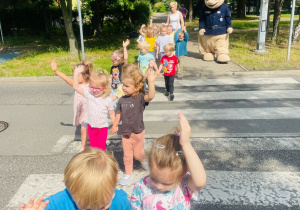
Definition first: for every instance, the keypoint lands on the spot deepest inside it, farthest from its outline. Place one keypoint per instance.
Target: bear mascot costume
(214, 29)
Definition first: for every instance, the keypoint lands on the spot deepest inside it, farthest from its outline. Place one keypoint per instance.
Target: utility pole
(81, 31)
(262, 27)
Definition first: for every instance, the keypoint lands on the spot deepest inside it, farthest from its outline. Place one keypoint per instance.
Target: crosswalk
(245, 130)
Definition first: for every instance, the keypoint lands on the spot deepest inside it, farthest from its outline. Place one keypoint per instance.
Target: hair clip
(177, 134)
(116, 56)
(179, 153)
(160, 146)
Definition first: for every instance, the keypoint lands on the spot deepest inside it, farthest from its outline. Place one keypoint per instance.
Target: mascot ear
(229, 30)
(201, 32)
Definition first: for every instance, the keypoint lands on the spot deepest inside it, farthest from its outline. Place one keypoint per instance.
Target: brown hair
(91, 177)
(100, 78)
(117, 55)
(89, 64)
(169, 47)
(133, 72)
(181, 34)
(166, 152)
(85, 73)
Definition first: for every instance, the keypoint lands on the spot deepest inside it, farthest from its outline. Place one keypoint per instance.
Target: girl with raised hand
(79, 105)
(98, 105)
(176, 173)
(130, 110)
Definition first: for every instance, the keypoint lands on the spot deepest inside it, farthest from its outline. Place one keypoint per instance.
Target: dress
(144, 60)
(79, 107)
(145, 197)
(64, 200)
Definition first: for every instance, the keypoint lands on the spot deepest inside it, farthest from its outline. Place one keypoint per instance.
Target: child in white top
(98, 105)
(79, 106)
(176, 173)
(161, 41)
(130, 110)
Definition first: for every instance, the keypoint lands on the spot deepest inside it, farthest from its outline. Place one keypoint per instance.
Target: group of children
(176, 172)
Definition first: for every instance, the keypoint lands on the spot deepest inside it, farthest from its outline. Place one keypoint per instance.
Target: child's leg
(167, 83)
(83, 131)
(171, 83)
(139, 141)
(128, 144)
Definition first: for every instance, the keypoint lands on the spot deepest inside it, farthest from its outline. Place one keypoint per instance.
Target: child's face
(181, 38)
(168, 53)
(144, 50)
(80, 79)
(169, 30)
(163, 179)
(96, 91)
(150, 33)
(163, 31)
(115, 62)
(128, 87)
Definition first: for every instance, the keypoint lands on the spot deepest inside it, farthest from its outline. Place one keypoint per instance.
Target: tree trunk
(190, 10)
(276, 18)
(296, 31)
(241, 8)
(67, 14)
(96, 19)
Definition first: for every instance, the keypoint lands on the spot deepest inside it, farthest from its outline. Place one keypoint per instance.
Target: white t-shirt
(173, 20)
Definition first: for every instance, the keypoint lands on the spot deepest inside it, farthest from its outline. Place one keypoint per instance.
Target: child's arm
(178, 68)
(181, 19)
(38, 205)
(60, 74)
(151, 20)
(114, 128)
(157, 49)
(177, 27)
(112, 115)
(141, 30)
(195, 167)
(125, 44)
(151, 89)
(159, 69)
(168, 19)
(76, 86)
(114, 97)
(138, 64)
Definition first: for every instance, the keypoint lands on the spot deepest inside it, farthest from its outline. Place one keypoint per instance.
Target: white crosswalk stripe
(264, 186)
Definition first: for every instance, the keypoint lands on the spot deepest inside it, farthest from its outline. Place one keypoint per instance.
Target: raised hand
(78, 69)
(151, 76)
(54, 65)
(126, 43)
(185, 130)
(31, 205)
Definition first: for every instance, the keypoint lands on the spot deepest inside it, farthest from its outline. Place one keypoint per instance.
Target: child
(150, 38)
(176, 173)
(130, 110)
(98, 105)
(90, 178)
(180, 46)
(89, 64)
(141, 38)
(79, 106)
(144, 57)
(162, 40)
(172, 33)
(169, 62)
(117, 58)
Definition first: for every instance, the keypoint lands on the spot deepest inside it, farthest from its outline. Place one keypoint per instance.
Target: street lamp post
(291, 31)
(81, 31)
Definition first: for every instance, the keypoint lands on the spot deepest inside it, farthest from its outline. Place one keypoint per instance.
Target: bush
(161, 8)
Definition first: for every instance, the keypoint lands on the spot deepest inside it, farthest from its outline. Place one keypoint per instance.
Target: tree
(66, 6)
(296, 31)
(191, 10)
(241, 8)
(276, 18)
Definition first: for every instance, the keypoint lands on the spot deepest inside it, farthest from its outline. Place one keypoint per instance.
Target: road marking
(230, 95)
(224, 114)
(230, 81)
(62, 143)
(222, 188)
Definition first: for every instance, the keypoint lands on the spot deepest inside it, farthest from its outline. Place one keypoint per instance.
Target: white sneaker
(125, 180)
(145, 164)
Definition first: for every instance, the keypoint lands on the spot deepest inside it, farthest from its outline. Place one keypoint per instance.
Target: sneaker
(179, 77)
(145, 164)
(125, 180)
(167, 93)
(171, 97)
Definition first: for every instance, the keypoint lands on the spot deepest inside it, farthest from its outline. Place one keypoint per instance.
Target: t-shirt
(119, 92)
(144, 60)
(116, 72)
(172, 35)
(169, 64)
(141, 39)
(151, 41)
(162, 41)
(64, 200)
(97, 110)
(183, 11)
(131, 109)
(146, 197)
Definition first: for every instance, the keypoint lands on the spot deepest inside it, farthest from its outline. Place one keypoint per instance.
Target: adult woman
(173, 16)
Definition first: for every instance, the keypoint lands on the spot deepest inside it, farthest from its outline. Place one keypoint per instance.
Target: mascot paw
(223, 58)
(208, 57)
(201, 32)
(229, 30)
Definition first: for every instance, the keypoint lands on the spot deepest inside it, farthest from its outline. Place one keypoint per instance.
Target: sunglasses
(96, 89)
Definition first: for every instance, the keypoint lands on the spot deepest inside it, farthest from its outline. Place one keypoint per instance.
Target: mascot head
(213, 4)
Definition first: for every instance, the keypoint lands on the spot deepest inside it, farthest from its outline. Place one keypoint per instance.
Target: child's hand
(114, 129)
(151, 76)
(54, 65)
(126, 43)
(38, 205)
(151, 63)
(78, 69)
(185, 130)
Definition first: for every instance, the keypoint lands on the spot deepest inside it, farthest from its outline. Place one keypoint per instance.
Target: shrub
(161, 8)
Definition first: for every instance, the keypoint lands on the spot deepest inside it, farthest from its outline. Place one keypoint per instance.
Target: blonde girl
(130, 110)
(79, 105)
(98, 105)
(144, 57)
(118, 59)
(176, 173)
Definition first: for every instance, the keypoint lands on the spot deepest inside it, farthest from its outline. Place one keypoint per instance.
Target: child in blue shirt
(180, 47)
(90, 178)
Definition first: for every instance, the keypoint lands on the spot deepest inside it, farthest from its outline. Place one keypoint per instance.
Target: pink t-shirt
(97, 110)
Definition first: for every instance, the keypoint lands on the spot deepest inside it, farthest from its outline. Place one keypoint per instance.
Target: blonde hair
(117, 55)
(145, 45)
(181, 34)
(89, 64)
(144, 29)
(169, 47)
(91, 177)
(166, 152)
(85, 73)
(133, 72)
(163, 27)
(173, 3)
(99, 78)
(150, 30)
(156, 30)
